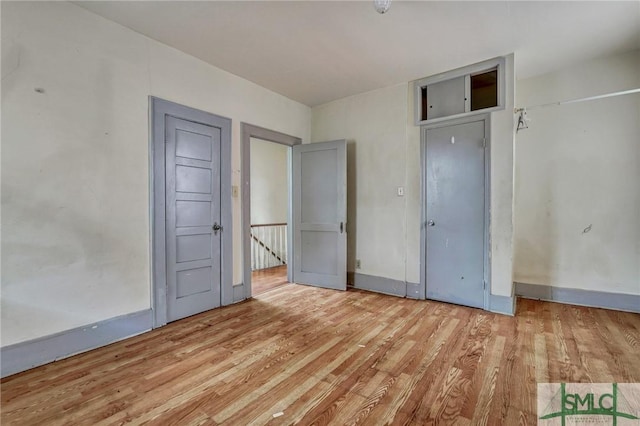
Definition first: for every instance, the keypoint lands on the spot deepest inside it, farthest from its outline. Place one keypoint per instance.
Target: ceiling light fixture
(382, 6)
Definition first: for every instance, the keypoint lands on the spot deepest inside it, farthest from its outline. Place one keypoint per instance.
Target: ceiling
(318, 51)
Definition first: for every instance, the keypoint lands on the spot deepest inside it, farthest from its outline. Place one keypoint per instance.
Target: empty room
(248, 212)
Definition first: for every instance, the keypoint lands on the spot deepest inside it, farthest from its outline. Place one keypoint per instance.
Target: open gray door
(319, 214)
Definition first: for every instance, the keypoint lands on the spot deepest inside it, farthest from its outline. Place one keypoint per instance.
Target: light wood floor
(327, 357)
(264, 280)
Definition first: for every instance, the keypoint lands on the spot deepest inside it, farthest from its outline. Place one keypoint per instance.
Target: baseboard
(238, 293)
(383, 285)
(574, 296)
(502, 304)
(33, 353)
(413, 291)
(376, 284)
(498, 304)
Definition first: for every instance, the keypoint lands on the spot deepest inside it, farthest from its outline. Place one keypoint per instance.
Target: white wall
(384, 153)
(75, 175)
(269, 182)
(578, 165)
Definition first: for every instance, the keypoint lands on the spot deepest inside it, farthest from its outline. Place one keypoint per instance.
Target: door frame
(248, 131)
(487, 200)
(158, 110)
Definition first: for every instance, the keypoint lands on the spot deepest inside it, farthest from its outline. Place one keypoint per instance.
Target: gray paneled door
(455, 213)
(192, 217)
(319, 214)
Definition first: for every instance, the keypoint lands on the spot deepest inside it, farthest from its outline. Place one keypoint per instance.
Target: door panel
(319, 261)
(319, 194)
(192, 207)
(455, 213)
(193, 179)
(193, 145)
(445, 98)
(193, 247)
(193, 281)
(319, 214)
(192, 213)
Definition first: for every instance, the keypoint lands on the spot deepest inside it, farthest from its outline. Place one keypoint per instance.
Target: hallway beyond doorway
(264, 280)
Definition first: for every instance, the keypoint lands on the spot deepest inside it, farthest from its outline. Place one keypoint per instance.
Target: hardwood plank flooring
(264, 280)
(326, 357)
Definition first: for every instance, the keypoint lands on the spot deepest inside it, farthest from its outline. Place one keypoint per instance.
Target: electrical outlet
(401, 191)
(358, 264)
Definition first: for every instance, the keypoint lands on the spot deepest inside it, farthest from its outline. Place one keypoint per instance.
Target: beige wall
(578, 165)
(374, 125)
(269, 182)
(384, 153)
(75, 175)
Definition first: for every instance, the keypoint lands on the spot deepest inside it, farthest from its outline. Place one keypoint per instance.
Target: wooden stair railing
(268, 240)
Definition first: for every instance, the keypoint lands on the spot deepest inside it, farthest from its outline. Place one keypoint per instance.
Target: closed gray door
(319, 214)
(455, 213)
(192, 213)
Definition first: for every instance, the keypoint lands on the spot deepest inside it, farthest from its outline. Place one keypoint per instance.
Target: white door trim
(248, 131)
(158, 110)
(487, 200)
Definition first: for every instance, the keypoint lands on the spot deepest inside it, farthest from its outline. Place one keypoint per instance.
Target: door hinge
(484, 285)
(484, 142)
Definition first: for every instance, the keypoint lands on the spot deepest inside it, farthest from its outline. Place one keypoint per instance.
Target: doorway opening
(269, 182)
(266, 209)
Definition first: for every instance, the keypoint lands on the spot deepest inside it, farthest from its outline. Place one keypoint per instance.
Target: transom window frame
(467, 71)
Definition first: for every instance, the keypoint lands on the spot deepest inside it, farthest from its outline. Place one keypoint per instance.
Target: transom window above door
(457, 93)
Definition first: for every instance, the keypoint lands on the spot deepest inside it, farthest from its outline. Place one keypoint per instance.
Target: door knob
(431, 223)
(216, 228)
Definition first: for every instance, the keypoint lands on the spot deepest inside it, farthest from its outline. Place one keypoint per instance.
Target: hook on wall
(523, 120)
